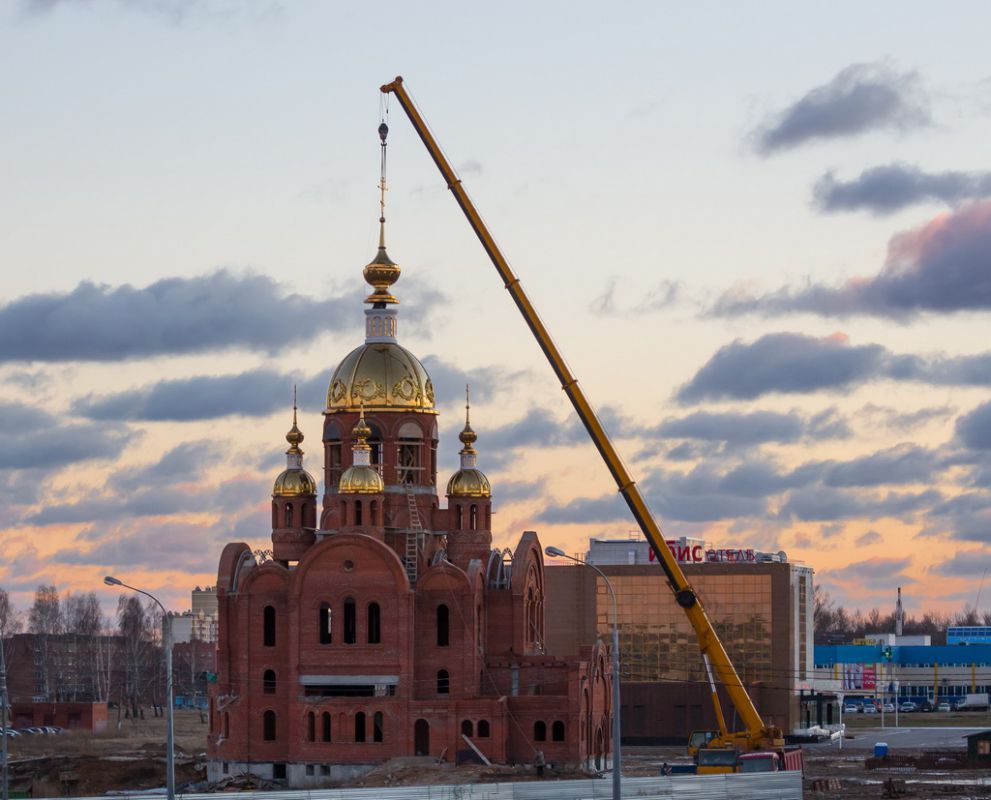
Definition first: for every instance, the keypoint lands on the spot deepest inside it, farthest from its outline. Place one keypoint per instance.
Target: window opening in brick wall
(268, 626)
(350, 622)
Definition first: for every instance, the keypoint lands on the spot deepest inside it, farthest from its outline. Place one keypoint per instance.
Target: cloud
(818, 503)
(782, 362)
(884, 190)
(795, 363)
(869, 538)
(859, 99)
(966, 516)
(966, 564)
(260, 392)
(902, 464)
(974, 428)
(252, 393)
(176, 12)
(872, 569)
(656, 298)
(943, 266)
(750, 428)
(172, 316)
(154, 501)
(31, 438)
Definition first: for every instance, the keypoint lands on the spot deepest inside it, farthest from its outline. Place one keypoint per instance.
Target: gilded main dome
(380, 376)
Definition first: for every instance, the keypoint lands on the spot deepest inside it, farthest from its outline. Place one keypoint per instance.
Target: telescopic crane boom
(756, 735)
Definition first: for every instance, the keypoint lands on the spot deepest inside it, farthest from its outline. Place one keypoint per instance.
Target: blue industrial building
(933, 672)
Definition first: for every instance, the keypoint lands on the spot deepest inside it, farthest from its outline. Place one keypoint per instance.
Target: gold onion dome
(294, 480)
(469, 481)
(361, 477)
(380, 376)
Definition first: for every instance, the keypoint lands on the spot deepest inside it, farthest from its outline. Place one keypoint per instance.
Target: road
(903, 737)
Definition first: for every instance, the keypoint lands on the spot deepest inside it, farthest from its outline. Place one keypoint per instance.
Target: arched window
(325, 624)
(288, 515)
(311, 727)
(335, 449)
(458, 522)
(268, 626)
(374, 624)
(357, 513)
(373, 513)
(467, 728)
(378, 727)
(443, 626)
(409, 455)
(483, 729)
(557, 731)
(375, 442)
(325, 725)
(443, 682)
(540, 731)
(268, 681)
(473, 517)
(359, 726)
(268, 726)
(350, 622)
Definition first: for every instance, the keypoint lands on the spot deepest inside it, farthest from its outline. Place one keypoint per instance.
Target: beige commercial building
(760, 605)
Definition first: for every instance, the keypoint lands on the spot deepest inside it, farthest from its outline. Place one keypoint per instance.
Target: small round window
(348, 566)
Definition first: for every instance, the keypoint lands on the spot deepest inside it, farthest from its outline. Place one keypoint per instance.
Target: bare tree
(133, 624)
(45, 621)
(45, 616)
(10, 620)
(84, 622)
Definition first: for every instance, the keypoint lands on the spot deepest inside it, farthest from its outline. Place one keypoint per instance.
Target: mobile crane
(756, 735)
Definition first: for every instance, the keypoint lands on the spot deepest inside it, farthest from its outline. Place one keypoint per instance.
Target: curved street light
(557, 552)
(170, 702)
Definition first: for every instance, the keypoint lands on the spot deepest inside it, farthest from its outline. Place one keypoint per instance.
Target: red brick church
(386, 625)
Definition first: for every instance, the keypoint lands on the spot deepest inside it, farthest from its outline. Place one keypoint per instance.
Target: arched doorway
(600, 747)
(421, 738)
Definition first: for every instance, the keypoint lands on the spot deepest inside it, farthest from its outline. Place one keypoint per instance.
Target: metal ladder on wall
(412, 535)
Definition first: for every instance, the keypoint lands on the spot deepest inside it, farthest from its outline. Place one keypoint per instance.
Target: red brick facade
(393, 629)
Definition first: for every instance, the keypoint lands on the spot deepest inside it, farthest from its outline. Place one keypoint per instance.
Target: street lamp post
(3, 719)
(617, 760)
(170, 702)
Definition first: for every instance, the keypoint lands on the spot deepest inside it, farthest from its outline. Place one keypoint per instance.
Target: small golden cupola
(469, 481)
(294, 480)
(361, 477)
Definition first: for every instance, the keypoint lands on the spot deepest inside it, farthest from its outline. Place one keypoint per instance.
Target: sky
(760, 234)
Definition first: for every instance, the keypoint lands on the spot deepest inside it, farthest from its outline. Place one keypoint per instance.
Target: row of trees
(78, 653)
(835, 624)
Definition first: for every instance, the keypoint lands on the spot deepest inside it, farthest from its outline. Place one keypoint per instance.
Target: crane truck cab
(700, 739)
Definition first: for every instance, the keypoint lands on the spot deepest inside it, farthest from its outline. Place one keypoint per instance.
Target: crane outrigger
(756, 735)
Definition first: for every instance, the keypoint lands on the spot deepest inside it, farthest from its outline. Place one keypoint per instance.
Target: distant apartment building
(199, 624)
(759, 603)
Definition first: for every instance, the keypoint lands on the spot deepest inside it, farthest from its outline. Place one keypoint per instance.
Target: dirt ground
(133, 757)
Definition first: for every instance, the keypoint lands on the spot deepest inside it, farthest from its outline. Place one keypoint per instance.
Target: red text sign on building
(688, 553)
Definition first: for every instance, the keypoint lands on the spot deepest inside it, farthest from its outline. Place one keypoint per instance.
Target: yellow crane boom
(757, 735)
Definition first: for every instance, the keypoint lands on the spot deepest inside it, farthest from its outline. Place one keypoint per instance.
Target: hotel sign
(694, 552)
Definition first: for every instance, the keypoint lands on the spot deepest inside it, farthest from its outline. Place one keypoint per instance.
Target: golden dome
(380, 376)
(469, 482)
(293, 483)
(361, 479)
(294, 480)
